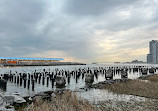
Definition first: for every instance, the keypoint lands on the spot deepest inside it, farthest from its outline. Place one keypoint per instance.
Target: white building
(152, 57)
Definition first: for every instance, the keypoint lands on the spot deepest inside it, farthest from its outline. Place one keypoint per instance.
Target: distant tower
(152, 57)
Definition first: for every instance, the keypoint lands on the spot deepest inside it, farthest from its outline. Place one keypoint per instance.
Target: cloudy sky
(78, 30)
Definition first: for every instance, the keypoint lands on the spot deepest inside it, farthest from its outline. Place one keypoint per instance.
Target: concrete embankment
(42, 64)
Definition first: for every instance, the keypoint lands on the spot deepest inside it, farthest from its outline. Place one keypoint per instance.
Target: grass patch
(65, 102)
(136, 87)
(153, 78)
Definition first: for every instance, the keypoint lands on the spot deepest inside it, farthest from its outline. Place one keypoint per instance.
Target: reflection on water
(95, 95)
(92, 94)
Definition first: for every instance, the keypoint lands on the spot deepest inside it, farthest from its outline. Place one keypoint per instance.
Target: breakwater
(41, 64)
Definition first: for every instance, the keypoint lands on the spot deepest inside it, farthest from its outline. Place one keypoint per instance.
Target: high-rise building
(152, 57)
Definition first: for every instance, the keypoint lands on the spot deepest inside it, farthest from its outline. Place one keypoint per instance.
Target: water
(97, 95)
(91, 95)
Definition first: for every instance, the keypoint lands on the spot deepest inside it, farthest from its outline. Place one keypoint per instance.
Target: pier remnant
(144, 71)
(123, 73)
(152, 70)
(3, 84)
(60, 81)
(89, 78)
(109, 74)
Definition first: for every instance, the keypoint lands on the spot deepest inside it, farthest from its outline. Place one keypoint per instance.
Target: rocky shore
(15, 101)
(108, 82)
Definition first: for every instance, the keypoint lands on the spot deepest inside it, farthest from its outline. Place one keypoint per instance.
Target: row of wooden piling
(60, 77)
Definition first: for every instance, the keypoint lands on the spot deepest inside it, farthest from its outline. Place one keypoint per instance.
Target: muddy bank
(145, 86)
(132, 105)
(101, 85)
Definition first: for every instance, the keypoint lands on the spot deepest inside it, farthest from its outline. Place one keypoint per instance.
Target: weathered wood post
(76, 79)
(43, 80)
(82, 75)
(144, 71)
(20, 81)
(28, 84)
(11, 78)
(68, 79)
(152, 70)
(24, 82)
(29, 76)
(3, 84)
(39, 79)
(96, 74)
(53, 80)
(32, 77)
(15, 79)
(109, 74)
(123, 73)
(6, 77)
(47, 81)
(89, 78)
(60, 81)
(33, 84)
(36, 78)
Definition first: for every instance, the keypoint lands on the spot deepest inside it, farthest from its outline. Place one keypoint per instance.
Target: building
(19, 61)
(152, 57)
(149, 58)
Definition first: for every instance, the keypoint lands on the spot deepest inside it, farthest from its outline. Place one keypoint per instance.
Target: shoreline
(10, 66)
(149, 104)
(144, 86)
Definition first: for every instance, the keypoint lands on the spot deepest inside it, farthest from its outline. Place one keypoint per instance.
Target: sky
(78, 30)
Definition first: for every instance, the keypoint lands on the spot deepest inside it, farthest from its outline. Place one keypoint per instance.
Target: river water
(91, 95)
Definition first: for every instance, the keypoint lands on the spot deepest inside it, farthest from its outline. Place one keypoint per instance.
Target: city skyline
(78, 30)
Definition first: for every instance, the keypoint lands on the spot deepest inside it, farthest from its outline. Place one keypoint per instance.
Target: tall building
(152, 57)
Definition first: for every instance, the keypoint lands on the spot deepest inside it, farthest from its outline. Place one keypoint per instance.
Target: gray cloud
(92, 30)
(94, 7)
(17, 21)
